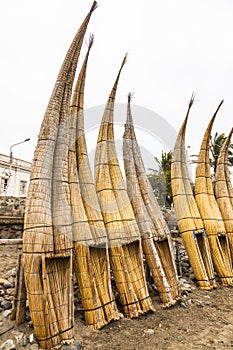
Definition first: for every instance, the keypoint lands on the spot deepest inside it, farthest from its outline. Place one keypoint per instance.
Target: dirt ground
(205, 323)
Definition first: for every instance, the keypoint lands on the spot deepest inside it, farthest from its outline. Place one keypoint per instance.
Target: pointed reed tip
(91, 40)
(192, 100)
(123, 63)
(130, 96)
(221, 103)
(125, 58)
(129, 119)
(215, 114)
(94, 6)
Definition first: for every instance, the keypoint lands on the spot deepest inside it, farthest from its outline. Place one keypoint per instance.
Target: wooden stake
(19, 307)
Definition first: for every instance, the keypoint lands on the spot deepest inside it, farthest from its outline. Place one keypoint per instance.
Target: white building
(14, 176)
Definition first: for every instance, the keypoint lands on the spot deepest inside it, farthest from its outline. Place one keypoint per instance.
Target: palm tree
(161, 179)
(216, 144)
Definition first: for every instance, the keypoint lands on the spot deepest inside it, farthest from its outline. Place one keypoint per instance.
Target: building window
(4, 184)
(22, 188)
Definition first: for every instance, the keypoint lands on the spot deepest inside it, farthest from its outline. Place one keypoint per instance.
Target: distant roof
(16, 162)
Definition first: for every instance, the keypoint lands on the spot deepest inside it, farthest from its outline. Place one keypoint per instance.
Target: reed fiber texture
(156, 240)
(210, 213)
(47, 237)
(222, 192)
(228, 179)
(187, 214)
(123, 233)
(91, 257)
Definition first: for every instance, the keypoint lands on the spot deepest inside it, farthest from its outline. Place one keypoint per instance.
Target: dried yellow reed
(47, 238)
(222, 192)
(91, 259)
(156, 240)
(123, 232)
(228, 180)
(187, 214)
(210, 213)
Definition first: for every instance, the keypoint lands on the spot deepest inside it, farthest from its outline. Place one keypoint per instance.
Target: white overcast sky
(175, 48)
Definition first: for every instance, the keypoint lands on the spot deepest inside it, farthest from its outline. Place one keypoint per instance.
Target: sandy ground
(206, 322)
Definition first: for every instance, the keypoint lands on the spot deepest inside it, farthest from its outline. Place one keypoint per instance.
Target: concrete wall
(14, 176)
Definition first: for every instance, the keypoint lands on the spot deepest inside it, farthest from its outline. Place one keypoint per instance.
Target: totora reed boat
(210, 213)
(222, 193)
(156, 239)
(91, 258)
(188, 216)
(47, 237)
(123, 233)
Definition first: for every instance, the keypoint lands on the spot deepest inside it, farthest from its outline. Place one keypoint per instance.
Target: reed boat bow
(123, 232)
(47, 237)
(210, 213)
(156, 239)
(188, 217)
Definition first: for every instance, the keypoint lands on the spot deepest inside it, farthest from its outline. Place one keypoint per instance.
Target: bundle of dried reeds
(230, 188)
(228, 179)
(47, 238)
(156, 239)
(123, 233)
(188, 217)
(91, 258)
(222, 192)
(210, 213)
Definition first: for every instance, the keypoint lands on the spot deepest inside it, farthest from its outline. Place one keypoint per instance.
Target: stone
(17, 227)
(186, 287)
(183, 304)
(200, 303)
(8, 345)
(9, 297)
(11, 279)
(2, 293)
(6, 305)
(8, 284)
(75, 346)
(18, 234)
(1, 323)
(185, 264)
(8, 273)
(182, 281)
(10, 291)
(149, 331)
(7, 313)
(23, 341)
(3, 280)
(28, 316)
(18, 336)
(32, 339)
(34, 347)
(30, 323)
